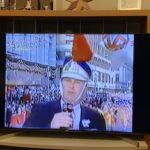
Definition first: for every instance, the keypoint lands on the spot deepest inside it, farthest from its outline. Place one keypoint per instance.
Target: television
(81, 83)
(2, 79)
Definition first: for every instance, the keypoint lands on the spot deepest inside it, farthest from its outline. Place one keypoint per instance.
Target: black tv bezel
(141, 125)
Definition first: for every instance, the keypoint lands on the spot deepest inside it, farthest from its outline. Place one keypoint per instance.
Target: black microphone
(67, 107)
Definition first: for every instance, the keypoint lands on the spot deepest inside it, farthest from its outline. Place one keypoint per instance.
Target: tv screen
(75, 82)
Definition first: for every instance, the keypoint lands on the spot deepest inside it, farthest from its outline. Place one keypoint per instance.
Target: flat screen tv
(95, 83)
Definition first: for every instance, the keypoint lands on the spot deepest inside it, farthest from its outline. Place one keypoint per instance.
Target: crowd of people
(20, 99)
(115, 107)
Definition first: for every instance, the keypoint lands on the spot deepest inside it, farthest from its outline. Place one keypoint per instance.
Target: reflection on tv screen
(69, 81)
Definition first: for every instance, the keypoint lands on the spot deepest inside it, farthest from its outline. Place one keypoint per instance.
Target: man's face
(72, 88)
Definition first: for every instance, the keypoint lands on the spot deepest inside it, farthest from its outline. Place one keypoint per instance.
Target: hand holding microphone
(63, 120)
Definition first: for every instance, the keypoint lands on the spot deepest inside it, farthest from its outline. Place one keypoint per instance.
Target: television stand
(23, 140)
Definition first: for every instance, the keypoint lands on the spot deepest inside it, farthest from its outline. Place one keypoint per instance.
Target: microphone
(67, 107)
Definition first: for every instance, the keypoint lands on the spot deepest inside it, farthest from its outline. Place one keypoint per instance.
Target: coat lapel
(84, 120)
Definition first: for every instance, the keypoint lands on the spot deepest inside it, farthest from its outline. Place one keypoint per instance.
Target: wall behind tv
(96, 4)
(100, 4)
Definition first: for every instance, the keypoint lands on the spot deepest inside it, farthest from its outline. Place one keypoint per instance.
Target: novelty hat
(76, 66)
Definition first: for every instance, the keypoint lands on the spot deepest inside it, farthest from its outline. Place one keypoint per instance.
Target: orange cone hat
(81, 50)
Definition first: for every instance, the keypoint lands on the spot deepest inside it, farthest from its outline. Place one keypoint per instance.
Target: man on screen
(68, 113)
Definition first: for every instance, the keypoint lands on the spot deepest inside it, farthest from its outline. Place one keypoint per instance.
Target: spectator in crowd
(26, 95)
